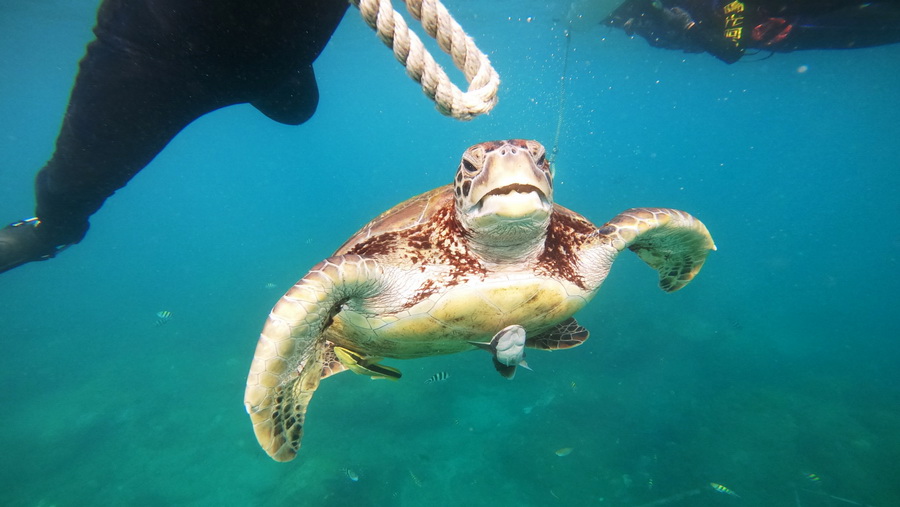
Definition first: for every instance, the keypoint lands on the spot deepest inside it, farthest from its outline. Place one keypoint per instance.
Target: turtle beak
(511, 186)
(514, 201)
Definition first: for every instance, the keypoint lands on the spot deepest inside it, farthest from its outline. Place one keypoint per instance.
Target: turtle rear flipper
(565, 335)
(670, 241)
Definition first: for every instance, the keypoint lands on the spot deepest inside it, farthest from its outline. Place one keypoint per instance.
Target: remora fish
(365, 366)
(508, 350)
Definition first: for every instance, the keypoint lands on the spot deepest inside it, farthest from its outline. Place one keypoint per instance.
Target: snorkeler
(727, 28)
(154, 67)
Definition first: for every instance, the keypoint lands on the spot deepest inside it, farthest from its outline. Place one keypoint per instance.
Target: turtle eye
(541, 160)
(469, 166)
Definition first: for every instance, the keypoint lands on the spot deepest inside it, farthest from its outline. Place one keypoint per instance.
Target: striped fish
(162, 317)
(438, 377)
(415, 479)
(722, 489)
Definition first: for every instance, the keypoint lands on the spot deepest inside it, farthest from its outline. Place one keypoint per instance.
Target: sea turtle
(481, 263)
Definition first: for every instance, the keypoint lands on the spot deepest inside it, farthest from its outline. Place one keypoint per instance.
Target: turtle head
(504, 197)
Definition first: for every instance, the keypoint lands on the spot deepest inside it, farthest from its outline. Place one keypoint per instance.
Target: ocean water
(779, 361)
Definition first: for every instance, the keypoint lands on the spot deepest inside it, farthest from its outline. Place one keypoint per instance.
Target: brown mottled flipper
(330, 362)
(671, 241)
(280, 426)
(291, 355)
(565, 335)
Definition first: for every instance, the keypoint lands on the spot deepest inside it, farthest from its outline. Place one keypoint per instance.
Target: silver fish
(438, 377)
(508, 349)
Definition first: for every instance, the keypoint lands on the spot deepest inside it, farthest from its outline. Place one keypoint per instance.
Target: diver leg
(863, 25)
(122, 112)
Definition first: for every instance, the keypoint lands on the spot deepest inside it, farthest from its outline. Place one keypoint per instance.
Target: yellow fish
(565, 451)
(722, 489)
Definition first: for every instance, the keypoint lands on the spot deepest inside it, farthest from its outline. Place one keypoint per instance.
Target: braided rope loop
(481, 95)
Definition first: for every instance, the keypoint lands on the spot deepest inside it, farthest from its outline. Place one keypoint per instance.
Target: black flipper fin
(484, 346)
(291, 102)
(508, 372)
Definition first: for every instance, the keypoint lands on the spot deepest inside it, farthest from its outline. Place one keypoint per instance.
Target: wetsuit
(154, 67)
(726, 28)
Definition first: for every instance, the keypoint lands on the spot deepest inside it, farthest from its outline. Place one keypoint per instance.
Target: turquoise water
(777, 362)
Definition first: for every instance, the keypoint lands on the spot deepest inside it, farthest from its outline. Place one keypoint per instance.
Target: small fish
(563, 451)
(811, 477)
(722, 489)
(163, 317)
(415, 479)
(357, 363)
(270, 285)
(353, 476)
(438, 377)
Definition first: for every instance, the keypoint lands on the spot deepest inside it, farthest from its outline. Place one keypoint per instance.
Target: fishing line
(562, 96)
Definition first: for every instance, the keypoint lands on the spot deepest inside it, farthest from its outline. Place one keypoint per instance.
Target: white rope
(391, 28)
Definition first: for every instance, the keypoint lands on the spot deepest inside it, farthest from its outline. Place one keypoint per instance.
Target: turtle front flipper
(331, 364)
(290, 355)
(670, 241)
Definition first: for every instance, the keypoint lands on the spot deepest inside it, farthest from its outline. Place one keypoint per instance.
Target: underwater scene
(770, 380)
